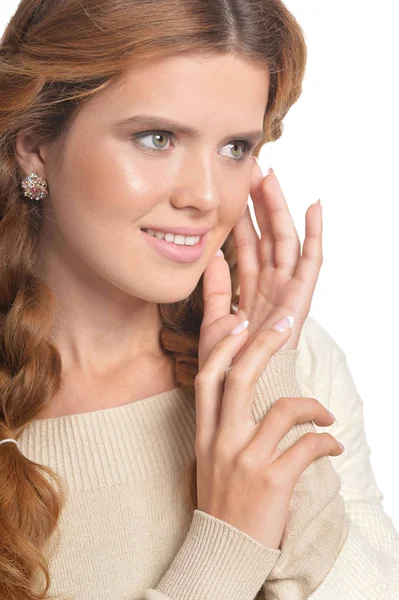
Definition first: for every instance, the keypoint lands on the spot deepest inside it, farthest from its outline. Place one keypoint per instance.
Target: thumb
(216, 290)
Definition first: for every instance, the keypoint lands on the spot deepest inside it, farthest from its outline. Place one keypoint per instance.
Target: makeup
(177, 252)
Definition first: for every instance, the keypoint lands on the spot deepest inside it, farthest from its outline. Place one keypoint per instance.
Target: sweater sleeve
(317, 524)
(368, 564)
(216, 560)
(324, 527)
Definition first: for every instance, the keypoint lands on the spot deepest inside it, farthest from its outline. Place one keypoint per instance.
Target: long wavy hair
(54, 56)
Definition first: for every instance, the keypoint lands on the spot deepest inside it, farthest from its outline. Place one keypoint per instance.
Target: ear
(29, 155)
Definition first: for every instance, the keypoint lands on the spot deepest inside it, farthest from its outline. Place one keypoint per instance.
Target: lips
(164, 235)
(177, 230)
(178, 252)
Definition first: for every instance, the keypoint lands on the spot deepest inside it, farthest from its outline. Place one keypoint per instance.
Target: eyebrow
(162, 122)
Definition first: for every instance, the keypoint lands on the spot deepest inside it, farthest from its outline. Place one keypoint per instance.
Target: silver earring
(35, 187)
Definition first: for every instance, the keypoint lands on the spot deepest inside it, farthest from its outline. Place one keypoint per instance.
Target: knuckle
(236, 377)
(293, 409)
(275, 477)
(318, 443)
(333, 440)
(199, 379)
(316, 402)
(204, 377)
(287, 407)
(246, 462)
(263, 341)
(311, 442)
(311, 404)
(326, 443)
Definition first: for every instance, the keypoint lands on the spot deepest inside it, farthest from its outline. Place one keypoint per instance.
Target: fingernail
(342, 446)
(243, 325)
(219, 253)
(283, 324)
(332, 415)
(270, 171)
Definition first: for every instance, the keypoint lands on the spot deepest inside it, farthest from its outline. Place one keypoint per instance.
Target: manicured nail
(219, 253)
(283, 324)
(243, 325)
(270, 171)
(332, 415)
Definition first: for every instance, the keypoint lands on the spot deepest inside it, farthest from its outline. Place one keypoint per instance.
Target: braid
(54, 56)
(30, 374)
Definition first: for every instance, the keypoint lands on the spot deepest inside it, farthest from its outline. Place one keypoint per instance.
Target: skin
(107, 279)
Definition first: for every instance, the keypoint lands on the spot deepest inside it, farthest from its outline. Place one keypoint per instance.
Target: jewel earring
(35, 187)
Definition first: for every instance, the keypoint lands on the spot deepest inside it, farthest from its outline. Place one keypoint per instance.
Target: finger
(247, 248)
(216, 289)
(282, 416)
(209, 387)
(300, 455)
(240, 381)
(217, 321)
(309, 264)
(287, 246)
(262, 217)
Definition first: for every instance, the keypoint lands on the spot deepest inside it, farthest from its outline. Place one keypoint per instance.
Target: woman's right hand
(242, 476)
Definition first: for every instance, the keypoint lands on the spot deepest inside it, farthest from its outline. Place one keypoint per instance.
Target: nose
(196, 184)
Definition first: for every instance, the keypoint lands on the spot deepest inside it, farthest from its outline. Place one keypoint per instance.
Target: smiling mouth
(177, 239)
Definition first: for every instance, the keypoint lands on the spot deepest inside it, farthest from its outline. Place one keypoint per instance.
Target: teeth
(180, 240)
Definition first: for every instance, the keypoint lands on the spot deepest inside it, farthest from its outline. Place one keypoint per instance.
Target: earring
(35, 187)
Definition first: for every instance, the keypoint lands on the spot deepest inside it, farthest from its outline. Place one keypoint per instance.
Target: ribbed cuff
(217, 561)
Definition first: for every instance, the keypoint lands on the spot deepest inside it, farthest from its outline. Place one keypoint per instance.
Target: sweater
(127, 533)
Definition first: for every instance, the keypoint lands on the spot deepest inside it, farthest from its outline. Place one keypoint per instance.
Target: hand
(275, 280)
(242, 477)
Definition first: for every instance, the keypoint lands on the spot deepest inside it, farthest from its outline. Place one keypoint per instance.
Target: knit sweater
(127, 533)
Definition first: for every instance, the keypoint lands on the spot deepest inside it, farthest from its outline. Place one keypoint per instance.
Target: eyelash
(247, 146)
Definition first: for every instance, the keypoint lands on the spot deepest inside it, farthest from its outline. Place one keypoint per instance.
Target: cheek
(107, 185)
(235, 206)
(100, 198)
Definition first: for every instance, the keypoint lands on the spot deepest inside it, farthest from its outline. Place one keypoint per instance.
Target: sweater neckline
(146, 438)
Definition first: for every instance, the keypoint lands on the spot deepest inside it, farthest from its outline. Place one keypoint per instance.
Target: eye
(154, 135)
(159, 144)
(245, 145)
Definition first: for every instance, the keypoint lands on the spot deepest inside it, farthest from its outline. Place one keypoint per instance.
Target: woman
(115, 344)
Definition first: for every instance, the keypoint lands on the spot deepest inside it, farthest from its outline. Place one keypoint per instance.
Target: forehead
(180, 87)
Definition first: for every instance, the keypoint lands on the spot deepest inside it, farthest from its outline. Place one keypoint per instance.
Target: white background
(340, 145)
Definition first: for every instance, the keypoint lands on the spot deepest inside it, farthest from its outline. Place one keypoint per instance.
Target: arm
(317, 525)
(326, 530)
(368, 565)
(216, 560)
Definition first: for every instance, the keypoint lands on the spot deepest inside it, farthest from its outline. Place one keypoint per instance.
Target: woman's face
(109, 185)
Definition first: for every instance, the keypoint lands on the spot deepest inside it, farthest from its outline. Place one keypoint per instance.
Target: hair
(48, 69)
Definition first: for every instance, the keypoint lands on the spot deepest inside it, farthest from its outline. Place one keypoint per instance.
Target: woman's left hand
(275, 280)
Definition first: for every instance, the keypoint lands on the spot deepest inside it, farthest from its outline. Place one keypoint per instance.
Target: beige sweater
(128, 534)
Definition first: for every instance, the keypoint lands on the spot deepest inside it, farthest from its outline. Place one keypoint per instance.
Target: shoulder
(317, 359)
